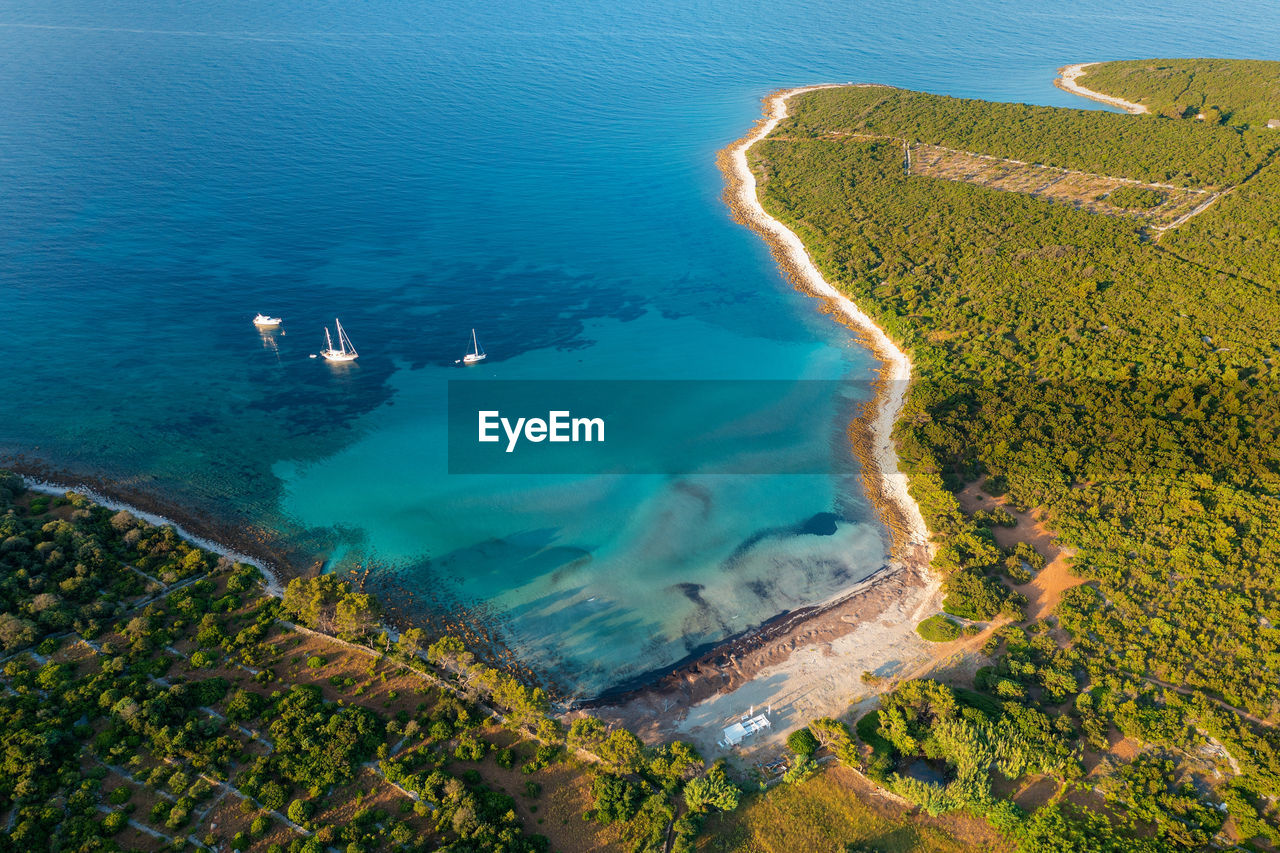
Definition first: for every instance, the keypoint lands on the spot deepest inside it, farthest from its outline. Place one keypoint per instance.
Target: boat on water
(262, 321)
(345, 350)
(477, 354)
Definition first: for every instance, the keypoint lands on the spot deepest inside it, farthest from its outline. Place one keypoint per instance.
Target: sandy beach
(809, 664)
(1067, 76)
(801, 664)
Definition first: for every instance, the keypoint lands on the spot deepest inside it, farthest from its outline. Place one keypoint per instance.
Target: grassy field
(834, 810)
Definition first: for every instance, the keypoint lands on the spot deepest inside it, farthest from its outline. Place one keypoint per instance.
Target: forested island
(1089, 301)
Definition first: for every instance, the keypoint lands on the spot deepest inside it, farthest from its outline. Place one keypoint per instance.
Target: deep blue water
(542, 171)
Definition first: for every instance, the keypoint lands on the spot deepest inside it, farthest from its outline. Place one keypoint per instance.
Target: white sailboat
(346, 351)
(262, 321)
(476, 354)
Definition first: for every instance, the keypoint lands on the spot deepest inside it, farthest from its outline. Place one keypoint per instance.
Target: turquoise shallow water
(542, 171)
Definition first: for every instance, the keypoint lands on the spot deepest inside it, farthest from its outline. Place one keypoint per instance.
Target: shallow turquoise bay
(543, 172)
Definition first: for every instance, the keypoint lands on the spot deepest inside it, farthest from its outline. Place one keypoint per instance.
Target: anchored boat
(476, 354)
(262, 321)
(345, 351)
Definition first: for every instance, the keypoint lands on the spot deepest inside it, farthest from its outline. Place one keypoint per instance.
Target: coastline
(807, 663)
(874, 618)
(1066, 81)
(270, 572)
(872, 437)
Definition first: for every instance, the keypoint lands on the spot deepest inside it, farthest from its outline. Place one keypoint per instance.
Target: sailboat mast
(475, 345)
(343, 340)
(328, 340)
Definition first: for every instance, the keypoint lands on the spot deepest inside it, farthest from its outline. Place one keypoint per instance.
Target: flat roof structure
(736, 733)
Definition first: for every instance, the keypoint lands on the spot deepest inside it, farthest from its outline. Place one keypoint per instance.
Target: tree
(271, 796)
(448, 649)
(615, 798)
(713, 791)
(114, 822)
(835, 735)
(586, 733)
(300, 811)
(16, 632)
(410, 641)
(672, 763)
(245, 705)
(622, 751)
(355, 613)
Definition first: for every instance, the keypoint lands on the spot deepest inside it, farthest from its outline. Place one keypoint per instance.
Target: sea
(541, 172)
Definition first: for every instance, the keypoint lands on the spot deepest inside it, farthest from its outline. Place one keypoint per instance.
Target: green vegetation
(831, 811)
(1124, 384)
(938, 629)
(1239, 236)
(61, 577)
(1137, 198)
(1230, 91)
(174, 698)
(802, 743)
(1181, 153)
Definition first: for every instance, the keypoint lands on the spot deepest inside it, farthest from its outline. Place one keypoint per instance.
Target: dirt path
(957, 662)
(1046, 588)
(1187, 691)
(1088, 191)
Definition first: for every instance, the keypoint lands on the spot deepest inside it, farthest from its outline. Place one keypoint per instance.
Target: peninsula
(1072, 444)
(1089, 302)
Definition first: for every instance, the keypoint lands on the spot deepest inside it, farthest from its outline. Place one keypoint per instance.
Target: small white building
(1274, 124)
(740, 731)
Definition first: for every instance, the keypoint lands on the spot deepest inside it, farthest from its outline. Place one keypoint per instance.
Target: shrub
(938, 629)
(802, 743)
(114, 822)
(1137, 198)
(802, 770)
(299, 811)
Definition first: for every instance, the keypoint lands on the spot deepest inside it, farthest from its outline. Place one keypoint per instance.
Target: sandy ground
(813, 669)
(1067, 76)
(1046, 588)
(819, 679)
